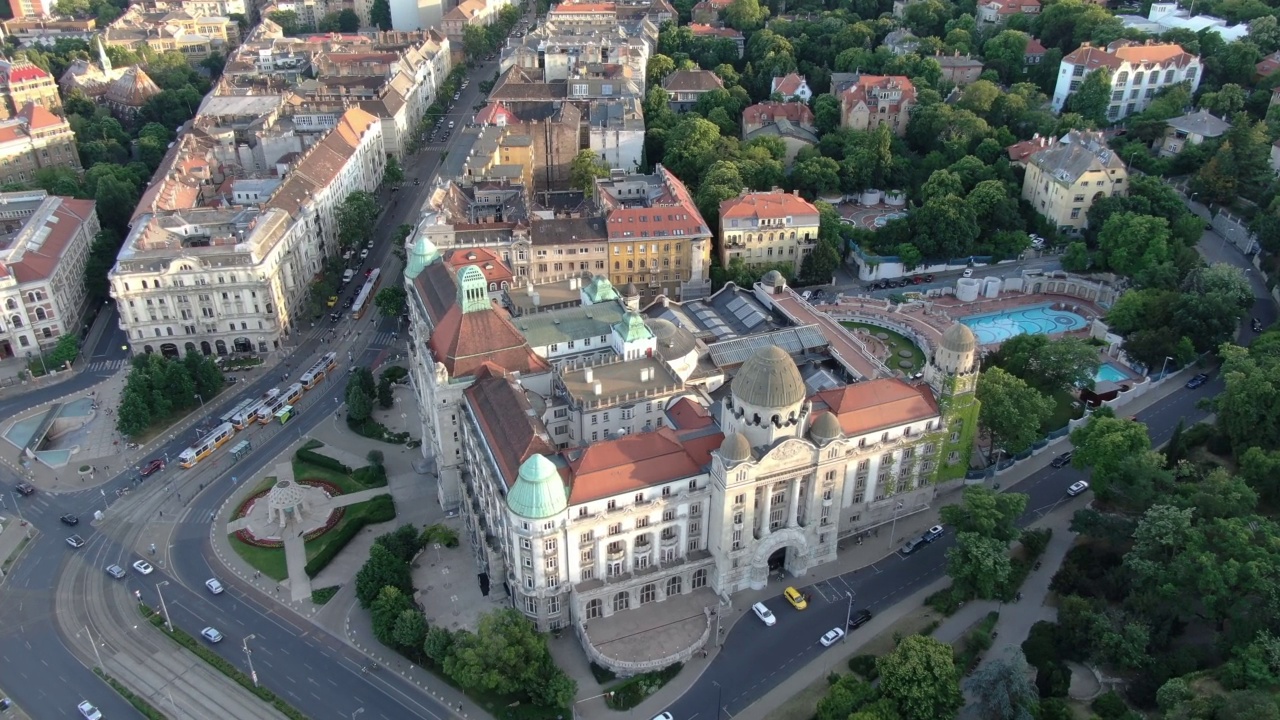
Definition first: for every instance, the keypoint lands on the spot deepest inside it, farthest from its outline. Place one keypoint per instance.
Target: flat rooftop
(619, 382)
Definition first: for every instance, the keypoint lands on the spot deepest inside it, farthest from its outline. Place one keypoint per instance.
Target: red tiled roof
(868, 406)
(869, 89)
(24, 72)
(685, 414)
(507, 420)
(1269, 64)
(583, 7)
(495, 271)
(673, 215)
(37, 117)
(1013, 7)
(703, 30)
(631, 462)
(492, 113)
(39, 264)
(766, 205)
(1020, 151)
(789, 84)
(770, 112)
(1034, 47)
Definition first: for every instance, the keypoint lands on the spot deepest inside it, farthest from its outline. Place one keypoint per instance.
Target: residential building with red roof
(22, 83)
(996, 12)
(1267, 65)
(869, 101)
(792, 87)
(496, 273)
(23, 9)
(766, 228)
(1034, 53)
(44, 246)
(769, 112)
(32, 140)
(1137, 70)
(706, 30)
(657, 238)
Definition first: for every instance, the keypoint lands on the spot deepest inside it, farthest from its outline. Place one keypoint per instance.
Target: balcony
(671, 541)
(616, 555)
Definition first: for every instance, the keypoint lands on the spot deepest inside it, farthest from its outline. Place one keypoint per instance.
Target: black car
(69, 519)
(859, 618)
(1062, 460)
(1257, 325)
(1197, 381)
(25, 489)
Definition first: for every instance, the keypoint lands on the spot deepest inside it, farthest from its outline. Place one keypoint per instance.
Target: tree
(385, 611)
(438, 644)
(505, 654)
(846, 695)
(356, 218)
(1104, 444)
(1005, 53)
(1003, 689)
(116, 200)
(348, 21)
(920, 677)
(1049, 366)
(288, 20)
(382, 569)
(393, 174)
(410, 630)
(585, 169)
(391, 301)
(1012, 411)
(979, 565)
(380, 14)
(1092, 98)
(1132, 244)
(475, 41)
(359, 405)
(987, 513)
(64, 352)
(404, 542)
(745, 15)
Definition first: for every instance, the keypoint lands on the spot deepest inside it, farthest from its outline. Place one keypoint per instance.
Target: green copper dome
(631, 328)
(539, 492)
(600, 290)
(424, 253)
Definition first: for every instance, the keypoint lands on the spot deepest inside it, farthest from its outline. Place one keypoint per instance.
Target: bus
(244, 405)
(293, 393)
(365, 298)
(203, 449)
(245, 417)
(284, 414)
(325, 365)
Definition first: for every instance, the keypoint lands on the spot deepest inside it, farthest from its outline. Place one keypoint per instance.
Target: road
(757, 658)
(44, 665)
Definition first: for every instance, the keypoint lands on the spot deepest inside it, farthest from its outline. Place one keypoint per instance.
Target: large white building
(44, 245)
(1138, 72)
(665, 463)
(232, 278)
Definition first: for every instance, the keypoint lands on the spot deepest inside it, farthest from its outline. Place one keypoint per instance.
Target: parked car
(764, 613)
(1077, 488)
(333, 300)
(661, 715)
(831, 637)
(1197, 381)
(932, 534)
(859, 618)
(1256, 324)
(1062, 460)
(796, 598)
(75, 541)
(214, 586)
(364, 253)
(143, 567)
(69, 519)
(912, 546)
(88, 711)
(211, 634)
(25, 488)
(115, 571)
(928, 278)
(152, 467)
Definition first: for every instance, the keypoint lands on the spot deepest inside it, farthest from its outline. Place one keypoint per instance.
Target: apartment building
(487, 215)
(22, 83)
(37, 9)
(1064, 179)
(684, 87)
(218, 277)
(196, 38)
(44, 246)
(764, 228)
(616, 133)
(33, 140)
(1137, 71)
(657, 238)
(502, 155)
(869, 101)
(997, 12)
(583, 34)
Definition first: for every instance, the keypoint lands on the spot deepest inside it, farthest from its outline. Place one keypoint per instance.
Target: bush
(309, 456)
(1110, 706)
(946, 601)
(864, 666)
(1053, 680)
(380, 509)
(320, 596)
(375, 430)
(371, 476)
(139, 703)
(1035, 541)
(395, 373)
(602, 674)
(375, 457)
(442, 534)
(633, 691)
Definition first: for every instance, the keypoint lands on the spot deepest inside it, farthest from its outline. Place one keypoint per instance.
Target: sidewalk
(1011, 630)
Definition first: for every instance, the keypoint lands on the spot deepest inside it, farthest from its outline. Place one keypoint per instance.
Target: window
(587, 537)
(531, 605)
(699, 579)
(737, 540)
(615, 529)
(648, 593)
(674, 585)
(613, 505)
(588, 556)
(524, 543)
(549, 546)
(595, 609)
(621, 601)
(553, 605)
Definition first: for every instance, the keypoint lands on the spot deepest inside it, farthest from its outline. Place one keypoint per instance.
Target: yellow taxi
(796, 598)
(333, 300)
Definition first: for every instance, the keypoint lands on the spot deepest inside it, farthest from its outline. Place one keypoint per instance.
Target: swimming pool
(1110, 373)
(995, 328)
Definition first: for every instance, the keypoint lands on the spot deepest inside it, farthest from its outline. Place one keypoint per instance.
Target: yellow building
(1064, 179)
(763, 228)
(657, 238)
(195, 37)
(500, 154)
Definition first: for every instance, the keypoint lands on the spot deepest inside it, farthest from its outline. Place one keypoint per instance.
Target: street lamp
(167, 620)
(719, 698)
(201, 399)
(249, 654)
(1164, 365)
(21, 519)
(357, 712)
(848, 615)
(894, 531)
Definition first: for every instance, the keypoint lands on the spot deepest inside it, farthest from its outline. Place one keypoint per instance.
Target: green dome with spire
(539, 493)
(423, 254)
(631, 328)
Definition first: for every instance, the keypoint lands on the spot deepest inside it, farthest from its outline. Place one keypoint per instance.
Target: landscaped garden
(895, 343)
(315, 470)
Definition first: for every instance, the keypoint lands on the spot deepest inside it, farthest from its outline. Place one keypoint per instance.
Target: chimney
(589, 375)
(598, 388)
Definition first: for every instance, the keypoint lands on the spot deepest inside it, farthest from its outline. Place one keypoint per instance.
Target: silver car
(115, 571)
(211, 634)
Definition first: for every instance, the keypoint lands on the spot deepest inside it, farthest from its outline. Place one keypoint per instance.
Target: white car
(832, 637)
(967, 273)
(115, 571)
(764, 613)
(211, 634)
(364, 253)
(214, 586)
(663, 716)
(88, 711)
(143, 567)
(1077, 488)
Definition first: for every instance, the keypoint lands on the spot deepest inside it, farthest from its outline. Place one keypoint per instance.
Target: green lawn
(270, 561)
(896, 341)
(353, 512)
(304, 471)
(1064, 411)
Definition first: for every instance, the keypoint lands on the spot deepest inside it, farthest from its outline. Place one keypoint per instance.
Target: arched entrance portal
(785, 549)
(169, 350)
(243, 345)
(204, 348)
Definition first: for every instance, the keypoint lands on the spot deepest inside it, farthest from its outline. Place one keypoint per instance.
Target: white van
(765, 615)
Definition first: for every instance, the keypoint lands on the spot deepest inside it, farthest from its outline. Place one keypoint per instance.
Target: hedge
(226, 668)
(375, 430)
(380, 509)
(371, 476)
(633, 691)
(307, 455)
(139, 703)
(323, 595)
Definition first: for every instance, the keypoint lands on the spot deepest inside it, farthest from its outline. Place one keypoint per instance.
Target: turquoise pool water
(995, 328)
(1110, 373)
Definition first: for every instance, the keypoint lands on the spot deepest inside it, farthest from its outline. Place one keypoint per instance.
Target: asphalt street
(44, 666)
(756, 658)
